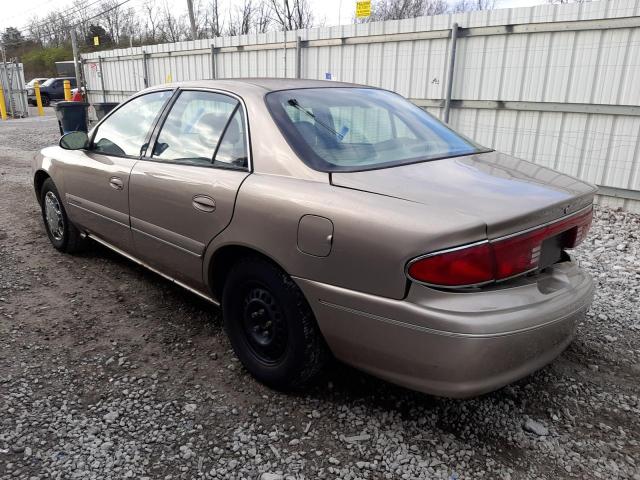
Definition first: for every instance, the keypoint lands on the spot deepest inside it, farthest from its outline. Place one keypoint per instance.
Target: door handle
(116, 183)
(204, 203)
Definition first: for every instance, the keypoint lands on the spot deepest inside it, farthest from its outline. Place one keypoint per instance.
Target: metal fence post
(298, 57)
(76, 59)
(452, 62)
(20, 82)
(284, 57)
(104, 94)
(213, 61)
(145, 69)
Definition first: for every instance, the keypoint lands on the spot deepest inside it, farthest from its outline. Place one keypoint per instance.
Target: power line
(72, 25)
(74, 11)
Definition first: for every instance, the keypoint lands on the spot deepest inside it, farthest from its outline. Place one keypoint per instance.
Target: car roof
(259, 84)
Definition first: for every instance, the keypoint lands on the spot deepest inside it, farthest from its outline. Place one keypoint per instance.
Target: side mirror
(74, 141)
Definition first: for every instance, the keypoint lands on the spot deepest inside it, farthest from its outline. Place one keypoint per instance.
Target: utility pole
(76, 59)
(192, 19)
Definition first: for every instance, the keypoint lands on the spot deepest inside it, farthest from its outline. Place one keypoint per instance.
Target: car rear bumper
(454, 344)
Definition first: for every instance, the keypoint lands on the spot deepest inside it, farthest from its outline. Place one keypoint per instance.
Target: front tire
(63, 234)
(271, 326)
(44, 98)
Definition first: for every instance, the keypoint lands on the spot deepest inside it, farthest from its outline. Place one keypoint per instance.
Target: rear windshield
(351, 129)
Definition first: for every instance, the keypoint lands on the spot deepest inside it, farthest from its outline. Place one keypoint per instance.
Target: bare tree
(112, 18)
(240, 18)
(399, 9)
(291, 14)
(82, 15)
(473, 5)
(562, 2)
(35, 30)
(262, 17)
(152, 24)
(213, 24)
(201, 13)
(173, 28)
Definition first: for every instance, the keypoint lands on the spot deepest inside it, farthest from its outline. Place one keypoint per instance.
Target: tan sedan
(332, 218)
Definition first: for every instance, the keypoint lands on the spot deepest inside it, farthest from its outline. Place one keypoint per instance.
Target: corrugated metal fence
(12, 84)
(555, 84)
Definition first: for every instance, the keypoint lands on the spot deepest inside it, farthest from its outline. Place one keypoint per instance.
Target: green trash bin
(72, 116)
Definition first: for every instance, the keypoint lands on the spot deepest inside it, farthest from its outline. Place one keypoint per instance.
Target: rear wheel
(271, 326)
(63, 234)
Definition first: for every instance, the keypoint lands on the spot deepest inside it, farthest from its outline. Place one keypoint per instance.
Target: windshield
(350, 129)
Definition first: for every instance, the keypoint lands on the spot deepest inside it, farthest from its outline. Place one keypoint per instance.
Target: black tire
(45, 100)
(66, 236)
(271, 326)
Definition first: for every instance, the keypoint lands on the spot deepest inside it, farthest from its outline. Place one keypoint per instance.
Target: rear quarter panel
(374, 235)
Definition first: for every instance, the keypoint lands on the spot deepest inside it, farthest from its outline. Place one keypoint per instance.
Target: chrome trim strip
(474, 244)
(445, 333)
(145, 265)
(542, 225)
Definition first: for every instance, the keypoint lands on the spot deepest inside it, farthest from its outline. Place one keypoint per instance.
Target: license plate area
(551, 251)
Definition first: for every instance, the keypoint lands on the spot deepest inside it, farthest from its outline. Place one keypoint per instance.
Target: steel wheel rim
(53, 216)
(263, 325)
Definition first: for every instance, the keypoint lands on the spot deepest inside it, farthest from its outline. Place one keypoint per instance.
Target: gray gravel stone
(536, 427)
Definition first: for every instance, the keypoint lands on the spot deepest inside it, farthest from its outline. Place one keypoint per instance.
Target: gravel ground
(107, 371)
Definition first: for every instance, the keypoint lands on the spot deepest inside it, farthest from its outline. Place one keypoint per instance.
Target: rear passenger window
(204, 128)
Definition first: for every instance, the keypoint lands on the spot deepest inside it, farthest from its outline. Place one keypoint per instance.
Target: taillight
(498, 259)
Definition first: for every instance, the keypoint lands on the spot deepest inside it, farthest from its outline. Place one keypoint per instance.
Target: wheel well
(224, 259)
(38, 180)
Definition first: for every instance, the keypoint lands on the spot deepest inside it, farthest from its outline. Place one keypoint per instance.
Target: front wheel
(45, 100)
(271, 326)
(63, 234)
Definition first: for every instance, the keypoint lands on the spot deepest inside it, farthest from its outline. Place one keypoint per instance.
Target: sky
(334, 12)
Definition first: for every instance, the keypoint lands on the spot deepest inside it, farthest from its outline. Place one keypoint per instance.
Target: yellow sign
(363, 9)
(96, 41)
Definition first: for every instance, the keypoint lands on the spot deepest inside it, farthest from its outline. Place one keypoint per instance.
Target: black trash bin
(72, 116)
(102, 108)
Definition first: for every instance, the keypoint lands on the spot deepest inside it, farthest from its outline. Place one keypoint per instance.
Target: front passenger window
(124, 133)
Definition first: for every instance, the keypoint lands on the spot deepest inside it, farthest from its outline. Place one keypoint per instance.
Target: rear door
(97, 179)
(182, 193)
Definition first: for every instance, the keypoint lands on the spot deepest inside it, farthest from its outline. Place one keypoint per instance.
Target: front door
(97, 179)
(182, 194)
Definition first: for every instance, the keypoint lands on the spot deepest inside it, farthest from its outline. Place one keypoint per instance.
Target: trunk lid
(507, 194)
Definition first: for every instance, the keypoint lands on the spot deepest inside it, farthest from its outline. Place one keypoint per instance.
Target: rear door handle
(116, 183)
(204, 203)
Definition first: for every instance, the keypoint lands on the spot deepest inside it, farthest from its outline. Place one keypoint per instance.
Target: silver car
(331, 218)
